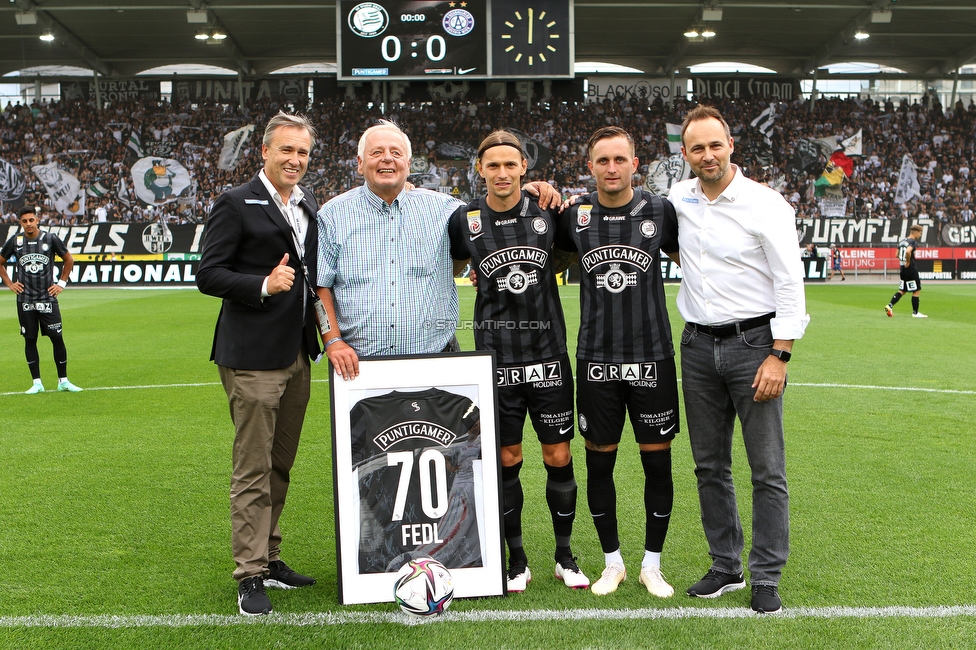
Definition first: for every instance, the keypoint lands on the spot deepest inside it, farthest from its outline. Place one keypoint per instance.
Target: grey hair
(384, 125)
(285, 119)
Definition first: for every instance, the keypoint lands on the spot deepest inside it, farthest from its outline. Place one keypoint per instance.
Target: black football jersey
(903, 247)
(417, 460)
(623, 310)
(35, 264)
(517, 311)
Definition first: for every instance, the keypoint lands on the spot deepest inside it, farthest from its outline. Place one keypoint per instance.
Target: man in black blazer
(259, 254)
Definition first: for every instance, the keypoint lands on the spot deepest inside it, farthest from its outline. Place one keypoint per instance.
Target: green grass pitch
(113, 502)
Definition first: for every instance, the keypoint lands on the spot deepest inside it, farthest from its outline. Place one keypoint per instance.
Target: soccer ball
(423, 587)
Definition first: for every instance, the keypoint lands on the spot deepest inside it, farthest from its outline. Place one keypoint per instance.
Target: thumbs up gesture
(281, 278)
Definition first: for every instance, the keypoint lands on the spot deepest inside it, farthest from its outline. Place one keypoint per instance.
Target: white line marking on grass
(370, 618)
(899, 388)
(949, 391)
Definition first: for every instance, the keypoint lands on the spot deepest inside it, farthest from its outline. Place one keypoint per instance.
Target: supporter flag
(122, 192)
(908, 187)
(806, 156)
(674, 137)
(536, 154)
(764, 122)
(134, 146)
(662, 174)
(840, 159)
(159, 180)
(97, 189)
(854, 145)
(12, 182)
(63, 189)
(234, 143)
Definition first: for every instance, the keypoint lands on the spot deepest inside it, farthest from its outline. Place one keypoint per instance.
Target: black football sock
(561, 493)
(601, 495)
(512, 499)
(60, 356)
(895, 298)
(914, 304)
(658, 497)
(33, 358)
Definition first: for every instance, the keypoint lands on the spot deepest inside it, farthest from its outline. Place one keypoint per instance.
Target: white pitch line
(914, 389)
(321, 619)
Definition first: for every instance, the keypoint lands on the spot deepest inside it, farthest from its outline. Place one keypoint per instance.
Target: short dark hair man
(260, 256)
(743, 303)
(37, 294)
(908, 272)
(624, 357)
(509, 240)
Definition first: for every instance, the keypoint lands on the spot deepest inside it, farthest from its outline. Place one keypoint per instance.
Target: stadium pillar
(37, 91)
(813, 92)
(955, 87)
(98, 92)
(240, 90)
(671, 94)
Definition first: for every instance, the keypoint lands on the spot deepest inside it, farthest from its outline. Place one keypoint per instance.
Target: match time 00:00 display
(412, 39)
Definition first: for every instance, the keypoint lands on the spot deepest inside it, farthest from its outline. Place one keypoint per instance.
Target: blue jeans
(716, 380)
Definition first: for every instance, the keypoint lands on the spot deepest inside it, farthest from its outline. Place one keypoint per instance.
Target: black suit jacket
(246, 238)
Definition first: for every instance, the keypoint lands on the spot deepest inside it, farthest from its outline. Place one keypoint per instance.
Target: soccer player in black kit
(37, 294)
(509, 240)
(625, 358)
(908, 271)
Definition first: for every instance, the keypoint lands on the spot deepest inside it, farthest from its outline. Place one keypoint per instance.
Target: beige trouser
(268, 409)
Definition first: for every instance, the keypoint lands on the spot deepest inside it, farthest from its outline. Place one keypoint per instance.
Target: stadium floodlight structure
(197, 16)
(881, 16)
(26, 17)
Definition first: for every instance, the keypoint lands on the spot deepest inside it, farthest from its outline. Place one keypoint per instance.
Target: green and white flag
(674, 137)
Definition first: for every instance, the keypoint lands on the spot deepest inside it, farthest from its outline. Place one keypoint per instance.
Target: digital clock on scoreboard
(412, 39)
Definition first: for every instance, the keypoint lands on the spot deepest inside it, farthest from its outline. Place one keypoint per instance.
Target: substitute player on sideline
(625, 359)
(517, 313)
(37, 294)
(908, 272)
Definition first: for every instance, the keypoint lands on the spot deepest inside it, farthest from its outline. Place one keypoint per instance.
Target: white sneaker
(67, 387)
(652, 578)
(517, 582)
(569, 572)
(919, 314)
(612, 575)
(35, 389)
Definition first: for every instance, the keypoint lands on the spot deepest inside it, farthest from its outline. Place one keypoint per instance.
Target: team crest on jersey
(474, 222)
(44, 247)
(517, 280)
(648, 228)
(539, 226)
(20, 241)
(615, 280)
(583, 217)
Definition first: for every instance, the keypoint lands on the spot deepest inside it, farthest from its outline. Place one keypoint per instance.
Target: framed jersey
(417, 472)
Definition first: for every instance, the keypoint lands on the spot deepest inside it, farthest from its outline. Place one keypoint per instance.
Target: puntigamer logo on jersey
(34, 262)
(414, 429)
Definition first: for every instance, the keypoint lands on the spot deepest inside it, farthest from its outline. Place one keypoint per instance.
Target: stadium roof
(924, 38)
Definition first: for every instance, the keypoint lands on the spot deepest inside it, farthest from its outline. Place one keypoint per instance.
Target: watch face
(531, 38)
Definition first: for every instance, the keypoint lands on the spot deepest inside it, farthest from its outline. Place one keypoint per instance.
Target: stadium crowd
(92, 145)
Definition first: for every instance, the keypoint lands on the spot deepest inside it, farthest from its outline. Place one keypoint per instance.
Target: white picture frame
(470, 465)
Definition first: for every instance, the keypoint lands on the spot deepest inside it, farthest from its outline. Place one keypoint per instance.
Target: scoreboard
(480, 39)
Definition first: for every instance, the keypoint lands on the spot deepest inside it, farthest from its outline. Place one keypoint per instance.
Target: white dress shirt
(293, 214)
(740, 256)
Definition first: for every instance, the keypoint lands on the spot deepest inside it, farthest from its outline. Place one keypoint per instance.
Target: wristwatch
(782, 355)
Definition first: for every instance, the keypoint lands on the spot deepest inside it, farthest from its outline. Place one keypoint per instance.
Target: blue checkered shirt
(390, 271)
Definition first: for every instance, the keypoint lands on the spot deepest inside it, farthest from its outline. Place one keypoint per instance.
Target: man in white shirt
(742, 299)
